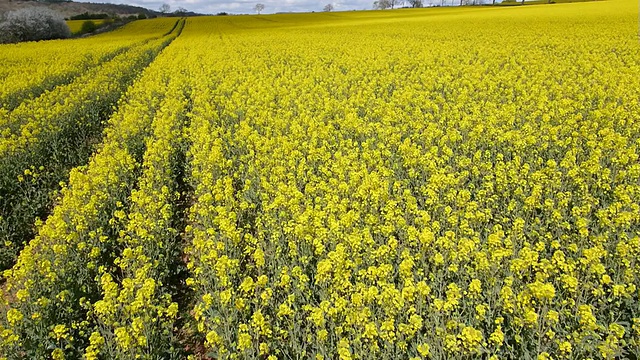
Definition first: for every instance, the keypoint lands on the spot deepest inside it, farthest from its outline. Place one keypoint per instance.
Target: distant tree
(180, 11)
(415, 3)
(328, 7)
(142, 16)
(165, 8)
(382, 4)
(386, 4)
(31, 24)
(87, 16)
(258, 8)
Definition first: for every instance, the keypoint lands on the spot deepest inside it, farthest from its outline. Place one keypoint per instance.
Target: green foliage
(87, 16)
(88, 27)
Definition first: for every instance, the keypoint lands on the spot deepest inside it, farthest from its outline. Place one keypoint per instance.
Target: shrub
(88, 27)
(32, 24)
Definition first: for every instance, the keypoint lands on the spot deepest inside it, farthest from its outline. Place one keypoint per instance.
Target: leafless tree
(328, 7)
(165, 8)
(382, 4)
(415, 3)
(258, 8)
(180, 11)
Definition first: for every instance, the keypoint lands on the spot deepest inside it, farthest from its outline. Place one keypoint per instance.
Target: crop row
(43, 139)
(56, 279)
(55, 63)
(136, 314)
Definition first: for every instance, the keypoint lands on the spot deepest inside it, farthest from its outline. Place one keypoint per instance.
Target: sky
(246, 6)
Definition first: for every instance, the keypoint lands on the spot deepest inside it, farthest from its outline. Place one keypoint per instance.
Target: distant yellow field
(76, 25)
(446, 183)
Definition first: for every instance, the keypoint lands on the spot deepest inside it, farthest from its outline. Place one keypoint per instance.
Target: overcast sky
(246, 6)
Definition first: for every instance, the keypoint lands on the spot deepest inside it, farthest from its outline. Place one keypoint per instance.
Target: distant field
(446, 183)
(76, 25)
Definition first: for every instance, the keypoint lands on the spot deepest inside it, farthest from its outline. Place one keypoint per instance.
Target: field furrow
(136, 314)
